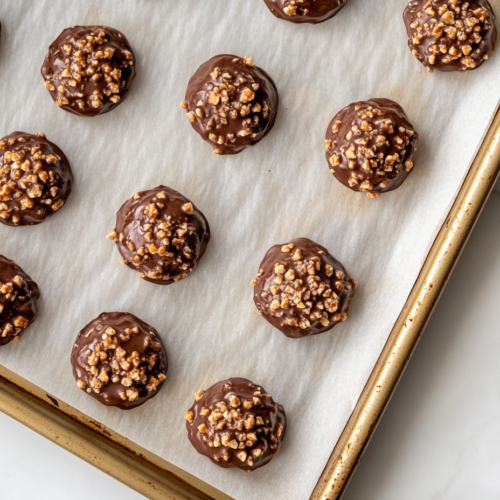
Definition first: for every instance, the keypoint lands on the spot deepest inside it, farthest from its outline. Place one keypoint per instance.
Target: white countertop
(439, 438)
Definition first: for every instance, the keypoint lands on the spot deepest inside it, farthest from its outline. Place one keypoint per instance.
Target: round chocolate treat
(18, 296)
(89, 69)
(35, 179)
(161, 234)
(305, 11)
(370, 145)
(231, 103)
(451, 35)
(236, 423)
(301, 289)
(119, 360)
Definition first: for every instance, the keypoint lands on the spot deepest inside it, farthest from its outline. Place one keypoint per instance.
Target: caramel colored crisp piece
(235, 423)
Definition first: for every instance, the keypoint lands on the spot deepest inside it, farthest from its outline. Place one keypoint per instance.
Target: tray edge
(94, 443)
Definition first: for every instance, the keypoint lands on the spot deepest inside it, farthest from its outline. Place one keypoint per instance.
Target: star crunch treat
(305, 11)
(237, 424)
(119, 360)
(451, 35)
(370, 145)
(161, 234)
(301, 289)
(231, 103)
(35, 179)
(89, 69)
(18, 296)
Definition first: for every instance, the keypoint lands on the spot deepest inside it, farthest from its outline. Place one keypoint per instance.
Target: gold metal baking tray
(155, 478)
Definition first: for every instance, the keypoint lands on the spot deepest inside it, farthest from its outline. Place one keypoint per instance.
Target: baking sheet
(276, 191)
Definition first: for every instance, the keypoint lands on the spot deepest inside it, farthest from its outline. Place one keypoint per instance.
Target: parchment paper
(276, 191)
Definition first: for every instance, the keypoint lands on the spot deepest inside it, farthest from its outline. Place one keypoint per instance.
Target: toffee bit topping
(112, 236)
(188, 208)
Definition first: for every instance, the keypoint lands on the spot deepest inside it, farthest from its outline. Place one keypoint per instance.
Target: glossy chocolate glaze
(451, 35)
(242, 426)
(88, 69)
(129, 365)
(18, 296)
(161, 235)
(35, 179)
(305, 11)
(301, 289)
(370, 145)
(231, 103)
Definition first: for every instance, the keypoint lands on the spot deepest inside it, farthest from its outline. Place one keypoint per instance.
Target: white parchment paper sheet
(278, 190)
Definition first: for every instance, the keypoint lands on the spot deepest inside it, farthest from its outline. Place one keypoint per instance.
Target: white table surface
(439, 438)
